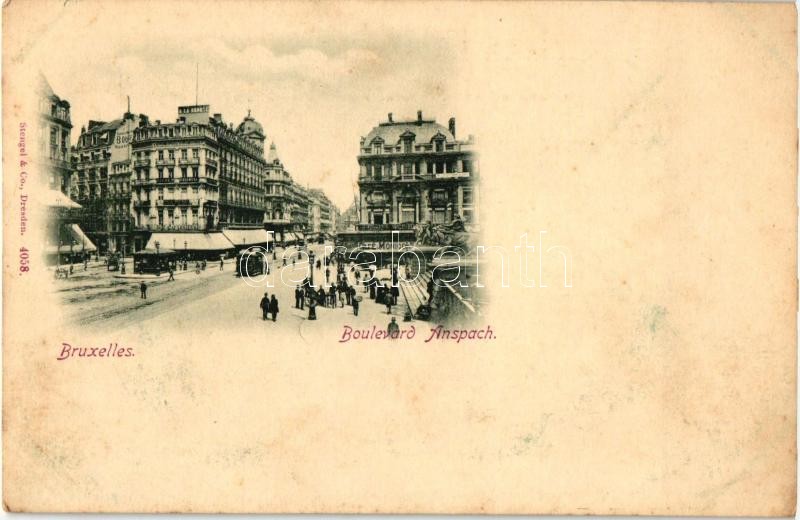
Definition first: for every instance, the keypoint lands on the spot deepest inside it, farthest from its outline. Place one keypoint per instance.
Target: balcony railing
(400, 226)
(211, 162)
(165, 162)
(451, 175)
(193, 160)
(141, 162)
(172, 227)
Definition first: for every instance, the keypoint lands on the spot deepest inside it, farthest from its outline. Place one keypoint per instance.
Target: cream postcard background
(657, 142)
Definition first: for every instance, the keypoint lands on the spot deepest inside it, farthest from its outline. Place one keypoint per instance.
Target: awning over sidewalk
(289, 237)
(215, 241)
(76, 242)
(247, 237)
(56, 199)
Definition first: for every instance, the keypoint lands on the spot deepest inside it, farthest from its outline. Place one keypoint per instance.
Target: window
(161, 155)
(183, 173)
(184, 154)
(407, 212)
(408, 146)
(439, 145)
(195, 153)
(171, 173)
(171, 155)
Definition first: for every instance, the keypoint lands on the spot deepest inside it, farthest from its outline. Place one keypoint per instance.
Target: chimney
(452, 126)
(419, 115)
(390, 117)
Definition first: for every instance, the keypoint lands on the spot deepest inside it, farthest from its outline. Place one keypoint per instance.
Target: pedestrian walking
(171, 275)
(273, 308)
(221, 264)
(395, 293)
(387, 298)
(355, 305)
(342, 297)
(143, 290)
(312, 309)
(264, 304)
(393, 329)
(327, 275)
(298, 298)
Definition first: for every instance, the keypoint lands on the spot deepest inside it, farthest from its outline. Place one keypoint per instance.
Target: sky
(316, 86)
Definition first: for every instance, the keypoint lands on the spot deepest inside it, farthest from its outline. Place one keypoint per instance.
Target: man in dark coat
(143, 290)
(273, 307)
(355, 305)
(298, 298)
(388, 299)
(393, 329)
(265, 306)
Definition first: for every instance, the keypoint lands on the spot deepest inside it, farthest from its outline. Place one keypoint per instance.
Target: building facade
(322, 213)
(300, 214)
(416, 171)
(101, 179)
(55, 127)
(348, 220)
(278, 205)
(197, 174)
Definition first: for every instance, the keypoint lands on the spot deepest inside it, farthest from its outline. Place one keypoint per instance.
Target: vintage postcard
(406, 257)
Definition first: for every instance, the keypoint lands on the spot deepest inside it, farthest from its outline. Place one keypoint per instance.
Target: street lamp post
(311, 266)
(158, 260)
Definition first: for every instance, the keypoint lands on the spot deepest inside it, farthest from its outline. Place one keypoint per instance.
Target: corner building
(416, 171)
(197, 174)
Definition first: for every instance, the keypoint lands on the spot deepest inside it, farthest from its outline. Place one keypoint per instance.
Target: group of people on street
(269, 306)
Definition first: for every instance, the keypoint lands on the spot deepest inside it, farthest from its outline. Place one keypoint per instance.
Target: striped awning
(76, 242)
(247, 237)
(215, 241)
